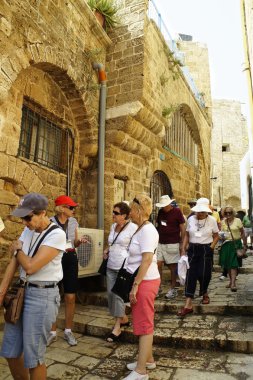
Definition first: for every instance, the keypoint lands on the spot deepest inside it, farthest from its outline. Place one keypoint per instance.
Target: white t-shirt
(118, 251)
(201, 231)
(55, 239)
(145, 240)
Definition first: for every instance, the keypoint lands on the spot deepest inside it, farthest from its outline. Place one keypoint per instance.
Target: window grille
(43, 139)
(179, 140)
(159, 185)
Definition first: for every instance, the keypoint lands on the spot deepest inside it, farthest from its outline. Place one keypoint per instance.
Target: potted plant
(105, 11)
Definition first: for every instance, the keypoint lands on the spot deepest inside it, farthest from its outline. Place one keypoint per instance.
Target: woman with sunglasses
(120, 234)
(142, 255)
(24, 343)
(64, 218)
(232, 233)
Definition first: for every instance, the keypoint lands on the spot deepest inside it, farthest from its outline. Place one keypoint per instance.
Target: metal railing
(154, 14)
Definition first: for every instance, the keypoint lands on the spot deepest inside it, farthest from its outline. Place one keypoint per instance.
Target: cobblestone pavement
(95, 359)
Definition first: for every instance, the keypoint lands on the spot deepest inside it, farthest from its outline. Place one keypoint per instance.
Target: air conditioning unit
(90, 254)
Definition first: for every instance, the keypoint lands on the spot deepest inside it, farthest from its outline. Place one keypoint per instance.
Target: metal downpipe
(101, 143)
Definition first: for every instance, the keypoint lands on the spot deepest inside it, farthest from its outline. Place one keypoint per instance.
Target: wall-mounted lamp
(214, 178)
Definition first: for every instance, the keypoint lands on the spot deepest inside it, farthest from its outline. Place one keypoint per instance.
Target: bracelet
(135, 284)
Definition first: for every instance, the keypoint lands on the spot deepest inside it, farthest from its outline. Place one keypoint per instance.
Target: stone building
(157, 132)
(229, 144)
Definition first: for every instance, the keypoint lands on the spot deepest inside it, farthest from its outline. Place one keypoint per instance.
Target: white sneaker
(172, 293)
(132, 366)
(51, 339)
(69, 337)
(136, 376)
(222, 278)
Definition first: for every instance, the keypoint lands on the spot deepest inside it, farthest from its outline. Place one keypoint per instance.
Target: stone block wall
(47, 49)
(229, 129)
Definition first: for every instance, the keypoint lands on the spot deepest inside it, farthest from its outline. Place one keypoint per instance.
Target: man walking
(171, 229)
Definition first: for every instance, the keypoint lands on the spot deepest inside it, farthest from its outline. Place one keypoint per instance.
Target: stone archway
(159, 185)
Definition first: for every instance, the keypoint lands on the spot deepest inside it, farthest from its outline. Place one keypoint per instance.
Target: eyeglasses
(116, 213)
(228, 213)
(192, 204)
(70, 207)
(27, 218)
(136, 201)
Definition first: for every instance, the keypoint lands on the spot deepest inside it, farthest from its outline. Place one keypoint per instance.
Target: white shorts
(169, 253)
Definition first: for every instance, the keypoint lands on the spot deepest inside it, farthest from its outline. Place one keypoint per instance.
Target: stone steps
(195, 331)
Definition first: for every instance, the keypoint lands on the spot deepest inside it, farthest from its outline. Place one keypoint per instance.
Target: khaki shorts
(169, 253)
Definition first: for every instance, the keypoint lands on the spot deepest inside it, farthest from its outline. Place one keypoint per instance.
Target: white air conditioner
(90, 254)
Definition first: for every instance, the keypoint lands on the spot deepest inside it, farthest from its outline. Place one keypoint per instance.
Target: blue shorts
(29, 335)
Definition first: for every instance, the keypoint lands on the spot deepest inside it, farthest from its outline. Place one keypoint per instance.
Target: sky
(218, 24)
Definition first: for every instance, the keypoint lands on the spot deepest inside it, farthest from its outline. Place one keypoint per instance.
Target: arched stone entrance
(159, 185)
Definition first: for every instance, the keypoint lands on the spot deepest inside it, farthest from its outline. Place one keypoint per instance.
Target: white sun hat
(165, 200)
(202, 205)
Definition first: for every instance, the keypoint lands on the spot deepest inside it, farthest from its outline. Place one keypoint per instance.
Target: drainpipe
(250, 89)
(101, 143)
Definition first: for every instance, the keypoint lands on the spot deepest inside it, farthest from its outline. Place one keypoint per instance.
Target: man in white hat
(171, 229)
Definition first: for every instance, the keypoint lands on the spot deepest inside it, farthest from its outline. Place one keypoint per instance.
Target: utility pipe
(101, 143)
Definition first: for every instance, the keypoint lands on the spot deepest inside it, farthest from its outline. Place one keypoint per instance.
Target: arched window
(159, 185)
(178, 138)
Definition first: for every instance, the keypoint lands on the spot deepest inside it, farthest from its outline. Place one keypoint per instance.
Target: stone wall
(197, 60)
(141, 84)
(229, 129)
(47, 49)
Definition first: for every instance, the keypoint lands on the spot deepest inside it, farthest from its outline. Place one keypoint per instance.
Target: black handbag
(103, 266)
(124, 283)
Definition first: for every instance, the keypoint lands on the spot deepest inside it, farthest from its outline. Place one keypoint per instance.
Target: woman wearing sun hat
(64, 218)
(200, 239)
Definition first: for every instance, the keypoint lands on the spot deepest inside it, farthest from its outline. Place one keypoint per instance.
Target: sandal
(205, 300)
(184, 311)
(233, 289)
(228, 286)
(113, 338)
(126, 324)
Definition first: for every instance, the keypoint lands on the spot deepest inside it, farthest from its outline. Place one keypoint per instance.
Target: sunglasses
(27, 218)
(70, 207)
(192, 204)
(116, 213)
(228, 213)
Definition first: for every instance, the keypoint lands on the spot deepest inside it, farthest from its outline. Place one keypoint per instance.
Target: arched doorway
(159, 185)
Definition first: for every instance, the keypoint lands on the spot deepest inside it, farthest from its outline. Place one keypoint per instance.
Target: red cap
(65, 200)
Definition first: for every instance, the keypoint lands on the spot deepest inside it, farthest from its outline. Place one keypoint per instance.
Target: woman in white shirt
(142, 255)
(200, 239)
(24, 343)
(120, 234)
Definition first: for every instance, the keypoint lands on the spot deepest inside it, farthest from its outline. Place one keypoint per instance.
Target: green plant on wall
(108, 9)
(163, 79)
(168, 111)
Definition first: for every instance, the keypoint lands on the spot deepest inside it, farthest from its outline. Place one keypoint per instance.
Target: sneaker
(172, 293)
(51, 339)
(132, 366)
(136, 376)
(222, 278)
(69, 337)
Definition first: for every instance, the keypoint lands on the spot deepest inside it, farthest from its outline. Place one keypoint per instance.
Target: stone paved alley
(215, 343)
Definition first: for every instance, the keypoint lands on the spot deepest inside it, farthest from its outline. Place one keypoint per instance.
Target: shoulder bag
(125, 280)
(240, 252)
(103, 266)
(14, 298)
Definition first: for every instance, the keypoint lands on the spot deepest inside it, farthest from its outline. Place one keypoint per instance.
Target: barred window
(178, 139)
(43, 139)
